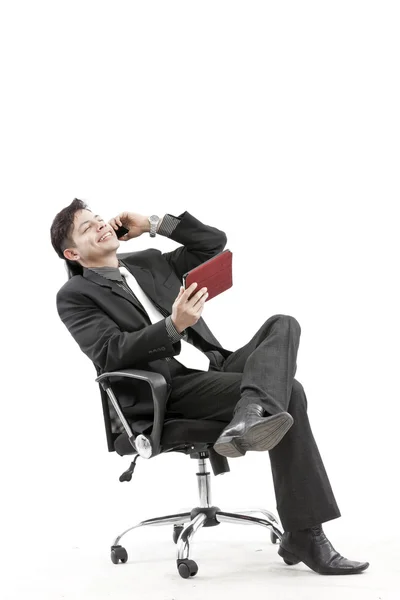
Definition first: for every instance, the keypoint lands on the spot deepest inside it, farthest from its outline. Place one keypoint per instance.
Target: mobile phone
(121, 231)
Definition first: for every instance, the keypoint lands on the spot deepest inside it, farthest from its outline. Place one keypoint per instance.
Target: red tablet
(214, 274)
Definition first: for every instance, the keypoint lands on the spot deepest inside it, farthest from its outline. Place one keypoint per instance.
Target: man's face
(95, 240)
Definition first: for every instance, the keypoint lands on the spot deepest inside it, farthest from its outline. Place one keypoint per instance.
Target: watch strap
(153, 225)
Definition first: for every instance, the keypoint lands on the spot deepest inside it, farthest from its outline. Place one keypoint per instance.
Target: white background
(277, 122)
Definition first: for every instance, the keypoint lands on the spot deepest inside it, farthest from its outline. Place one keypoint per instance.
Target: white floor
(234, 562)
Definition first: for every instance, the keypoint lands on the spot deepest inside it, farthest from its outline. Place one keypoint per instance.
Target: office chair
(189, 436)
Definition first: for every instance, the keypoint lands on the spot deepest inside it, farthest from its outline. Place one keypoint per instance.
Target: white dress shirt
(190, 356)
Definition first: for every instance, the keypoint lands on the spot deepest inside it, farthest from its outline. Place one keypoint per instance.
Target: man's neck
(111, 261)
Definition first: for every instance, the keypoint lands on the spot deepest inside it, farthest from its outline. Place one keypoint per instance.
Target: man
(132, 312)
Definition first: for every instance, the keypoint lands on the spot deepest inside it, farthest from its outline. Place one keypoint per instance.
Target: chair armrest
(145, 445)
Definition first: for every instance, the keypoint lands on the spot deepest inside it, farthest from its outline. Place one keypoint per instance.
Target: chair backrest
(113, 425)
(73, 268)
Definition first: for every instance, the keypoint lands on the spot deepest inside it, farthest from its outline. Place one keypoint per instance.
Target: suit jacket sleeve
(200, 243)
(100, 338)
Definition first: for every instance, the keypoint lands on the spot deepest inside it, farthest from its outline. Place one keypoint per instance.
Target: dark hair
(62, 227)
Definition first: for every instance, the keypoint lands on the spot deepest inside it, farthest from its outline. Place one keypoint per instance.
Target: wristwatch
(153, 220)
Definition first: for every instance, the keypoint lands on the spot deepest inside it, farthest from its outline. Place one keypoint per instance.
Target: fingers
(199, 297)
(115, 222)
(189, 310)
(194, 301)
(189, 291)
(199, 306)
(179, 296)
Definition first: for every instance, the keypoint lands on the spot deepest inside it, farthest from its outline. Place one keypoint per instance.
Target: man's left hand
(137, 224)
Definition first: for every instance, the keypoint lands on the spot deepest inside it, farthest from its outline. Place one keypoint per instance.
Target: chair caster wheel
(187, 568)
(177, 532)
(273, 537)
(118, 554)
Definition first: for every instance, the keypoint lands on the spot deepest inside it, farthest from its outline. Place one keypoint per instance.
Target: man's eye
(87, 228)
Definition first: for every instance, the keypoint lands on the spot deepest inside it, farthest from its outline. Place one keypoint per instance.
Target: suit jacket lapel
(146, 281)
(144, 278)
(114, 287)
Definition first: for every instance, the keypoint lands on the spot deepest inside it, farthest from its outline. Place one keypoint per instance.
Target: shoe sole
(262, 436)
(292, 559)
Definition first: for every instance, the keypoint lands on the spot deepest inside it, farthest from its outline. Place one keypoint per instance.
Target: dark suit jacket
(112, 329)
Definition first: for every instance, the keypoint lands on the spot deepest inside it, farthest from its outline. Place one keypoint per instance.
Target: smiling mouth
(105, 237)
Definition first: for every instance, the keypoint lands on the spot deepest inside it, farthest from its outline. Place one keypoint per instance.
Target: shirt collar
(112, 273)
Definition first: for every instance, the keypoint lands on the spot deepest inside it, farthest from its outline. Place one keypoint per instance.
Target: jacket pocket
(171, 280)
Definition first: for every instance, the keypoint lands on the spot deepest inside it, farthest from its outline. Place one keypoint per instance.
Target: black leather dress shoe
(312, 547)
(249, 430)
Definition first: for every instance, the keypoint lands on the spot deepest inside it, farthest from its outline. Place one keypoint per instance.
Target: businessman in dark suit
(131, 311)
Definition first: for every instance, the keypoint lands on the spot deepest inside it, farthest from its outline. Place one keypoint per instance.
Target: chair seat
(178, 434)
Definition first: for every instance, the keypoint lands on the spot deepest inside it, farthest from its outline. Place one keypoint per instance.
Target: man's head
(82, 237)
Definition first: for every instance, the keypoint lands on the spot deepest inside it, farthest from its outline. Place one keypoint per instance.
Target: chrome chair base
(186, 524)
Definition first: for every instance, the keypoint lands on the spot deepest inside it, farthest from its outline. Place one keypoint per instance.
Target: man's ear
(71, 254)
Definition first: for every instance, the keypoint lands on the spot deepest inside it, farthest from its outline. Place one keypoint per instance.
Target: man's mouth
(105, 236)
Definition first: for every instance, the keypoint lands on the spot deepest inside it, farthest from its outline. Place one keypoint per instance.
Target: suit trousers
(262, 372)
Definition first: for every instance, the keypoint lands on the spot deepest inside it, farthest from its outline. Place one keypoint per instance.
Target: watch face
(154, 218)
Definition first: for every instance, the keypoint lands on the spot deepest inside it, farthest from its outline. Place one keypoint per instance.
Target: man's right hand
(187, 312)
